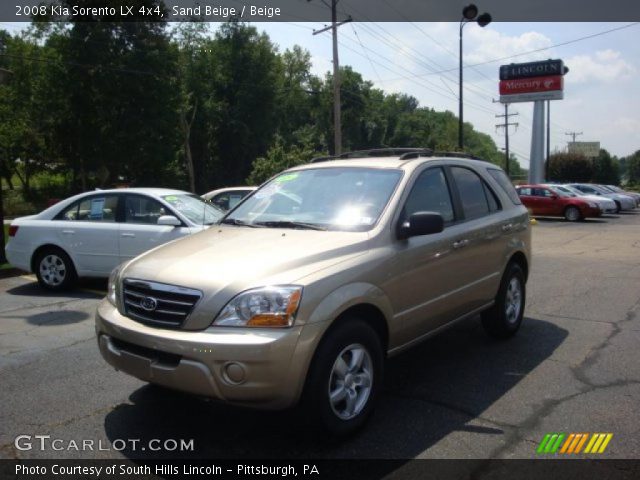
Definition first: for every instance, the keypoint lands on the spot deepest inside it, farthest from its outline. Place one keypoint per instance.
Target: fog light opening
(234, 373)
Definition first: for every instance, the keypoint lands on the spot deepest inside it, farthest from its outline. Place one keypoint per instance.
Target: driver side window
(430, 193)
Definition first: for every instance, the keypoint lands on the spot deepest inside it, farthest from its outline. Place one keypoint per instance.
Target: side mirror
(421, 223)
(553, 197)
(169, 220)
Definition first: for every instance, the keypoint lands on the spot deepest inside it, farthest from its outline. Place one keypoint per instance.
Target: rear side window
(506, 185)
(92, 209)
(472, 191)
(525, 191)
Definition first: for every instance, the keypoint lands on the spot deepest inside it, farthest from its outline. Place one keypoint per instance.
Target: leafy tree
(633, 168)
(248, 68)
(570, 167)
(277, 159)
(606, 170)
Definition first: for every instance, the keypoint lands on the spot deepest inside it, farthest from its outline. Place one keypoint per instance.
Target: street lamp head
(484, 19)
(470, 11)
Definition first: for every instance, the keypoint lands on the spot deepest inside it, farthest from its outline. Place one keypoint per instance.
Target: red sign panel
(531, 85)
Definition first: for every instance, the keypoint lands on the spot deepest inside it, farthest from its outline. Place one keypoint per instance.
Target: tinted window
(92, 209)
(506, 185)
(430, 193)
(144, 210)
(472, 193)
(525, 191)
(494, 204)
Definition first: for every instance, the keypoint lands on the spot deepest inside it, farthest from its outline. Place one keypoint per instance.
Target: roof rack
(374, 152)
(404, 153)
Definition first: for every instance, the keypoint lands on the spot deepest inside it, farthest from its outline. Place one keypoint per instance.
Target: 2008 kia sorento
(312, 281)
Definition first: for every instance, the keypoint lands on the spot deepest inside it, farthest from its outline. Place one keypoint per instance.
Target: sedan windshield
(334, 198)
(561, 191)
(194, 208)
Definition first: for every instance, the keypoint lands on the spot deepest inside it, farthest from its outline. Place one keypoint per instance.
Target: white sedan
(89, 234)
(228, 198)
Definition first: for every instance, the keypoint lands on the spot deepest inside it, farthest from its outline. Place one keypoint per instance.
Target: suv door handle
(507, 227)
(460, 243)
(128, 235)
(68, 232)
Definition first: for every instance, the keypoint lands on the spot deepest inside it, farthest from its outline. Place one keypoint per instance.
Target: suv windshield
(334, 198)
(194, 208)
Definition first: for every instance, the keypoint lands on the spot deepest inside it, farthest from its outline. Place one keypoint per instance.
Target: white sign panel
(588, 149)
(532, 97)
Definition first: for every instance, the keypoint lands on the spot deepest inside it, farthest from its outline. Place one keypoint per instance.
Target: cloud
(482, 45)
(604, 66)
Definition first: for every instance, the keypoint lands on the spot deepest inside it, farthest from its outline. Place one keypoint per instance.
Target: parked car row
(576, 201)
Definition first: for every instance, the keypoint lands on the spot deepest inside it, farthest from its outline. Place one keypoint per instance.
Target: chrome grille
(158, 304)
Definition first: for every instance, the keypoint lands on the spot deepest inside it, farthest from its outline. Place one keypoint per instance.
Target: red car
(545, 201)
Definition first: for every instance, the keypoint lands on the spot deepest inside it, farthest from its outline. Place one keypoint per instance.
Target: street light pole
(469, 14)
(5, 75)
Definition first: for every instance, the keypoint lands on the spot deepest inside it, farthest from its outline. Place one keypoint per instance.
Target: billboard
(588, 149)
(529, 82)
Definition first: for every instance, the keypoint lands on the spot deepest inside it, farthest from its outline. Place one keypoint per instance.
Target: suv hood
(226, 260)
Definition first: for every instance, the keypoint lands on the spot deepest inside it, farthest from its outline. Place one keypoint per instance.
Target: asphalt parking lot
(574, 367)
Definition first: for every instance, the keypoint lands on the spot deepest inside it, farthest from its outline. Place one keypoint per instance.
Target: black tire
(324, 415)
(618, 206)
(498, 321)
(54, 269)
(572, 214)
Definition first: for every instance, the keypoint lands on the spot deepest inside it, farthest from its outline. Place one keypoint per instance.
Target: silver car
(623, 202)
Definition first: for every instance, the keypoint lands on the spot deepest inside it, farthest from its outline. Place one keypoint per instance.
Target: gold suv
(304, 288)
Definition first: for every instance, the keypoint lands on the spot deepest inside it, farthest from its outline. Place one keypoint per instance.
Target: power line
(573, 135)
(568, 42)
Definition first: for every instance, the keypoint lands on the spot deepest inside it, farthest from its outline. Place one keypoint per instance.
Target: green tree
(633, 168)
(277, 159)
(570, 167)
(606, 170)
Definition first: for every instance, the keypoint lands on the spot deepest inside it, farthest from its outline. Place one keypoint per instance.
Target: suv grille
(158, 304)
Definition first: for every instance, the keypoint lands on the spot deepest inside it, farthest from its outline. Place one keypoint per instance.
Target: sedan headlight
(112, 286)
(262, 307)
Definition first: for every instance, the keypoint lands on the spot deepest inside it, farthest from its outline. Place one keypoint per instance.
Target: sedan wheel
(54, 270)
(572, 214)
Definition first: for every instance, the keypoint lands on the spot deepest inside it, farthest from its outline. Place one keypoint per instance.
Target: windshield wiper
(235, 221)
(291, 224)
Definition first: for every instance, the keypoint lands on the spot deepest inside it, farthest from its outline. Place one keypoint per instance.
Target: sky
(601, 91)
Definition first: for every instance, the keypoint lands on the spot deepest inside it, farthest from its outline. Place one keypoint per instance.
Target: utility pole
(573, 135)
(337, 124)
(506, 126)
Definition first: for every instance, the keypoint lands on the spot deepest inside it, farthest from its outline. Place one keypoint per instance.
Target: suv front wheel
(345, 377)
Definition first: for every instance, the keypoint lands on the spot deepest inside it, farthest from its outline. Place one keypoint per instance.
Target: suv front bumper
(257, 367)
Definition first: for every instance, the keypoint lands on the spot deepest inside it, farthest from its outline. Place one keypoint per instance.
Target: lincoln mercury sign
(527, 82)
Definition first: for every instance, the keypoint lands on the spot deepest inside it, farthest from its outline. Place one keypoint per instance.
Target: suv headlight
(262, 307)
(593, 204)
(112, 286)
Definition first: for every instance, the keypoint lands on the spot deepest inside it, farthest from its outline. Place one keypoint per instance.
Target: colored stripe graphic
(573, 443)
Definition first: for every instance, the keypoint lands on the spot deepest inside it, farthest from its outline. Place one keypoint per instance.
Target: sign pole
(536, 160)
